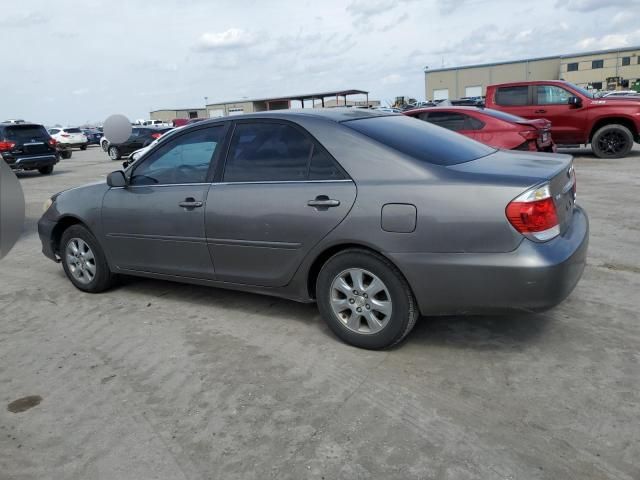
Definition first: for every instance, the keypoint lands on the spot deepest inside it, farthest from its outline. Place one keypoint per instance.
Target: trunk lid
(529, 170)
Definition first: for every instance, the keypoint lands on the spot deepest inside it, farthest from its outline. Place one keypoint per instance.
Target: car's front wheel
(46, 170)
(612, 141)
(114, 153)
(105, 145)
(365, 300)
(83, 260)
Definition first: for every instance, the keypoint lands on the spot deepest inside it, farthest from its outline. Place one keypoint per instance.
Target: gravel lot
(161, 380)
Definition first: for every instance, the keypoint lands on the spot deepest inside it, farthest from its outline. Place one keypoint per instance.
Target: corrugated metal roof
(306, 96)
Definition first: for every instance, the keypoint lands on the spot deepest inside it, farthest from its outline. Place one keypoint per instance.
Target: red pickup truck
(610, 125)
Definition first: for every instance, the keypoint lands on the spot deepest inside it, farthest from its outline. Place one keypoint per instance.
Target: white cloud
(592, 5)
(392, 79)
(614, 40)
(229, 39)
(364, 9)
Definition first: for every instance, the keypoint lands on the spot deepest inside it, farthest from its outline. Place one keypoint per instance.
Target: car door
(280, 194)
(568, 121)
(156, 223)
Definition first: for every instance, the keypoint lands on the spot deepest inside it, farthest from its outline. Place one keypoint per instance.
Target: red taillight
(6, 146)
(155, 136)
(52, 142)
(534, 214)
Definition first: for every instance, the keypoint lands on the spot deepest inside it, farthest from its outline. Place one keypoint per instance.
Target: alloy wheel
(361, 301)
(80, 260)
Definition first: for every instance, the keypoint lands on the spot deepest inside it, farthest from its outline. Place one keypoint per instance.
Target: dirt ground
(157, 380)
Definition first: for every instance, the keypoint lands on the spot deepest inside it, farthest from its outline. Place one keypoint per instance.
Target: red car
(491, 127)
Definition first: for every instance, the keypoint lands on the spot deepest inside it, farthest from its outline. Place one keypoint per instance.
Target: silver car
(376, 217)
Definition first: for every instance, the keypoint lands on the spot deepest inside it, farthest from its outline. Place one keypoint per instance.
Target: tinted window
(449, 120)
(53, 131)
(323, 166)
(26, 133)
(512, 95)
(73, 130)
(267, 152)
(420, 140)
(473, 123)
(551, 95)
(597, 64)
(184, 159)
(572, 67)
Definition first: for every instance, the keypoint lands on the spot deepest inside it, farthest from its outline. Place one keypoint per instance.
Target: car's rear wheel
(365, 300)
(83, 147)
(46, 170)
(65, 154)
(83, 260)
(114, 153)
(612, 141)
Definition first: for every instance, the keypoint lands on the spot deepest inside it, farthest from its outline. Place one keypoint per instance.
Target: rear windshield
(26, 133)
(502, 115)
(73, 130)
(420, 140)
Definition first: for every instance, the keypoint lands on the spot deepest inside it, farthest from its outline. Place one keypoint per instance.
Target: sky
(71, 62)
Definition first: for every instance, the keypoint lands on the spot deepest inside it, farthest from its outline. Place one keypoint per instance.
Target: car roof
(330, 114)
(21, 124)
(531, 82)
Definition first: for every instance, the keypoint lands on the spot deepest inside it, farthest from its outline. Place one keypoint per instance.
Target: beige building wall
(225, 109)
(586, 75)
(168, 115)
(456, 81)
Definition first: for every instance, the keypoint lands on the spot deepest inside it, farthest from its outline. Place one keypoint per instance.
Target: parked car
(491, 127)
(376, 217)
(610, 125)
(93, 136)
(134, 156)
(69, 137)
(27, 146)
(619, 93)
(140, 138)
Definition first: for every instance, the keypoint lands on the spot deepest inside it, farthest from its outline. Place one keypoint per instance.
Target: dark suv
(28, 146)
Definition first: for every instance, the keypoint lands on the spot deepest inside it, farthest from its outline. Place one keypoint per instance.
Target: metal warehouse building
(599, 70)
(309, 100)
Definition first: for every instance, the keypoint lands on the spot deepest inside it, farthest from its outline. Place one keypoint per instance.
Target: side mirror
(575, 102)
(117, 179)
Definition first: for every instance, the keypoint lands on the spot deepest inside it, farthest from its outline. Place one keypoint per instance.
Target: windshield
(581, 90)
(421, 140)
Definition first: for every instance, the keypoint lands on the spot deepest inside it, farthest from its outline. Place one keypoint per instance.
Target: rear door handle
(540, 111)
(322, 201)
(190, 203)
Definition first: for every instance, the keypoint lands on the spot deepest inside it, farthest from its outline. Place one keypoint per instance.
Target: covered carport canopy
(322, 95)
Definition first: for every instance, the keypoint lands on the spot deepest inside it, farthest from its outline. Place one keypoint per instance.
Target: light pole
(206, 100)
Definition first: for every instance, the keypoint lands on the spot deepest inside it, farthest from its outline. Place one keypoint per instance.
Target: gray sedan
(377, 217)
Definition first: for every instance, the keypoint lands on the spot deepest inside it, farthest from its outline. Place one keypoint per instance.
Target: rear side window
(26, 133)
(323, 166)
(517, 95)
(449, 120)
(267, 152)
(420, 140)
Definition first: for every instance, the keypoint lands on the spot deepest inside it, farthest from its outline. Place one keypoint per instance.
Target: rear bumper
(45, 231)
(31, 162)
(535, 276)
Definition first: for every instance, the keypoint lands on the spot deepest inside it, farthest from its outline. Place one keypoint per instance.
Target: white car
(621, 93)
(69, 137)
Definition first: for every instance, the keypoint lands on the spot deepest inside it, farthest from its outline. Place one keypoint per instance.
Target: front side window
(552, 95)
(267, 152)
(512, 96)
(185, 159)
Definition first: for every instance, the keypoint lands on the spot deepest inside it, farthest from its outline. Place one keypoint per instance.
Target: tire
(65, 154)
(612, 141)
(104, 145)
(83, 147)
(395, 297)
(46, 170)
(114, 153)
(94, 276)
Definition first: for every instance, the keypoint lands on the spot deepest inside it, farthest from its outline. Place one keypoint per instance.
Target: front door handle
(190, 203)
(323, 202)
(540, 111)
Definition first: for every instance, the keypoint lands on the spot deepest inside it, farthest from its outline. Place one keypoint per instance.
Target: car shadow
(25, 175)
(491, 332)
